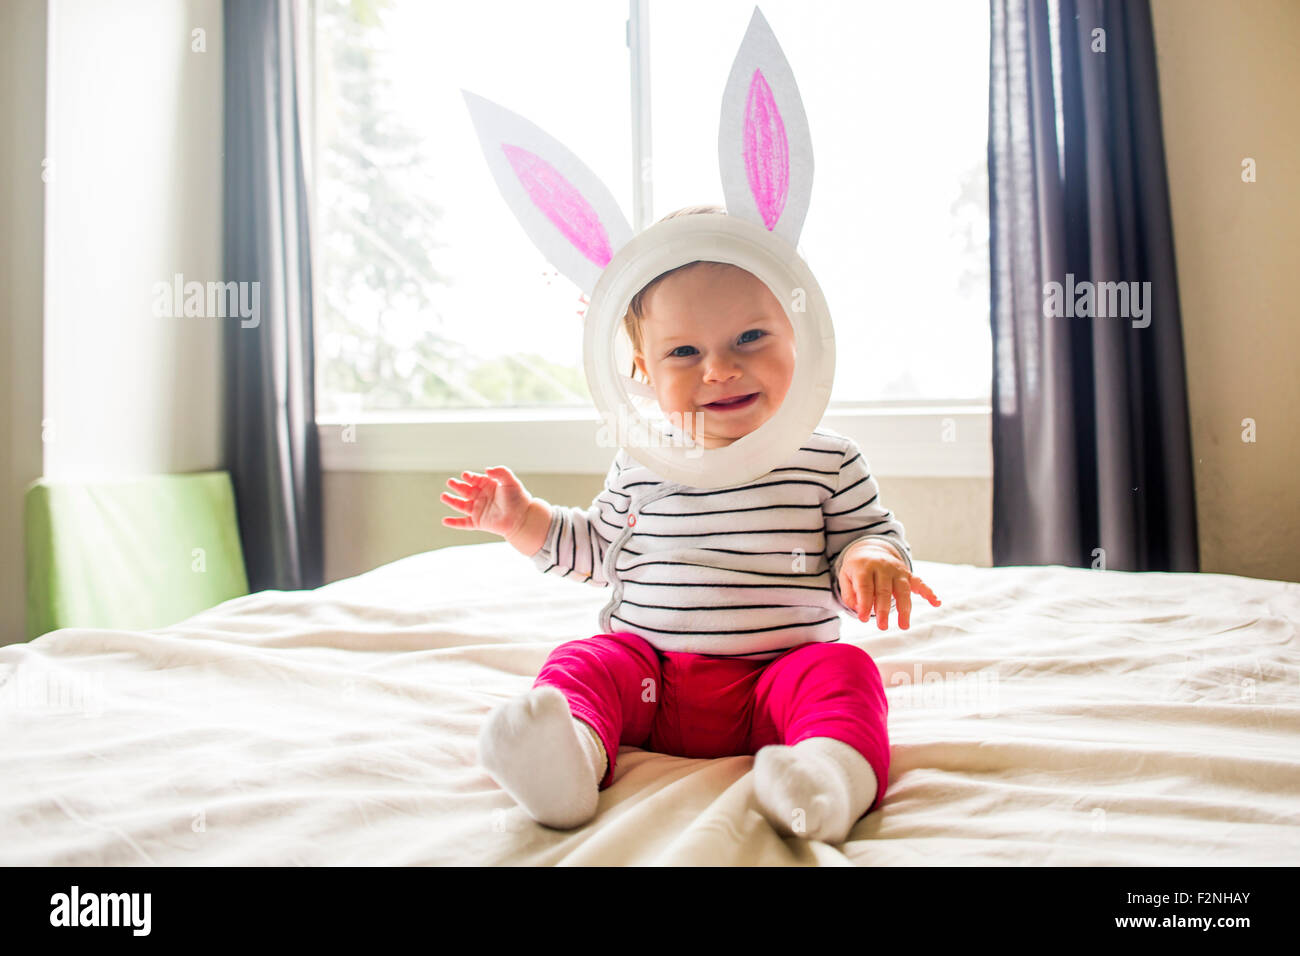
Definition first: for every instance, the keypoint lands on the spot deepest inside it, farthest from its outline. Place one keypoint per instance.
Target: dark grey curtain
(1091, 446)
(271, 445)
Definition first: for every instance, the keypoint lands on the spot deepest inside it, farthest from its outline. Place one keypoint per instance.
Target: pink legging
(698, 705)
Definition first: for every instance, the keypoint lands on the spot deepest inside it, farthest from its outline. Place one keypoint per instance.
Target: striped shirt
(744, 571)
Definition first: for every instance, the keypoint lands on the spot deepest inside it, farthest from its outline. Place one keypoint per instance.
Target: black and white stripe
(745, 571)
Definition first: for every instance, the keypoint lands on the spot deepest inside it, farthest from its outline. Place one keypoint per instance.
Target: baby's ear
(764, 150)
(568, 213)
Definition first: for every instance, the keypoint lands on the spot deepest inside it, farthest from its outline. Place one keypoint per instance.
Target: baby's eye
(757, 333)
(678, 353)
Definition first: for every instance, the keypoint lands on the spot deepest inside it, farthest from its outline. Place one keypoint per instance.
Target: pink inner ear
(562, 203)
(767, 155)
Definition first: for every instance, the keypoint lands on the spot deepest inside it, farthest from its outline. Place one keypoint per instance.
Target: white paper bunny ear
(764, 151)
(568, 213)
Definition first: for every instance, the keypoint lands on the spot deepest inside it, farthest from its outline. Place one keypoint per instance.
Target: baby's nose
(721, 370)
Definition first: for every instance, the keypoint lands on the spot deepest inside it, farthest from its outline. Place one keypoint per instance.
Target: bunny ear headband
(765, 160)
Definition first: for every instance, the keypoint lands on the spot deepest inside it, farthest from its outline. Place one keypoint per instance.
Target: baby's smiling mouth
(734, 402)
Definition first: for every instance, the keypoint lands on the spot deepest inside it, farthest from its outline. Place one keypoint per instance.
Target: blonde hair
(636, 308)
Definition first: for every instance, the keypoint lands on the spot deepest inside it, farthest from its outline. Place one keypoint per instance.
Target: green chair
(134, 553)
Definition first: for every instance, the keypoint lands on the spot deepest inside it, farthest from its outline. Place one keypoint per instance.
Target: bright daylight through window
(430, 296)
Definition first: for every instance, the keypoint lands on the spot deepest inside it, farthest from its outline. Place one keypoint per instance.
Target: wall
(134, 140)
(1229, 77)
(22, 232)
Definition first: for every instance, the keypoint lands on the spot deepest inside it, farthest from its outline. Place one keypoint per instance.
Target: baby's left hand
(871, 574)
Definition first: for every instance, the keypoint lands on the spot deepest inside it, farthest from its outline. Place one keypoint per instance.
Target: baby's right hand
(495, 502)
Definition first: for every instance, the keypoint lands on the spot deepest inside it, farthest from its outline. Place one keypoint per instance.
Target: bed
(1042, 715)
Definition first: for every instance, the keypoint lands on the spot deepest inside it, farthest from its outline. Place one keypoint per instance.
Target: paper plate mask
(765, 159)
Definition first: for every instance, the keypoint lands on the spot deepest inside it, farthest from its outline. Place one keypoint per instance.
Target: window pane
(897, 230)
(430, 295)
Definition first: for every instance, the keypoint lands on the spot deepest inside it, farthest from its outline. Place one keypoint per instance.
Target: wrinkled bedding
(1042, 715)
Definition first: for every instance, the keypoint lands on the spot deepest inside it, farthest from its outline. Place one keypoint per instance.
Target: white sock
(534, 749)
(817, 789)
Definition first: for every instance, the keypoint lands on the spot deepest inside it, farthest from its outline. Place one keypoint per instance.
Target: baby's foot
(817, 789)
(530, 746)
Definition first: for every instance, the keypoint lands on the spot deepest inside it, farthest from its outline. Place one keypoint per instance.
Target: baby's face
(718, 351)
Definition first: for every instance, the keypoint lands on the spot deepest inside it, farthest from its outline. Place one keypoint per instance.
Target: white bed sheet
(1121, 719)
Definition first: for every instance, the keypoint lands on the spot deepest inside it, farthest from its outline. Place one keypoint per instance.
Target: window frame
(947, 438)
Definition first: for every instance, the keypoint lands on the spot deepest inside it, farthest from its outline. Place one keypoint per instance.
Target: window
(897, 229)
(432, 304)
(430, 295)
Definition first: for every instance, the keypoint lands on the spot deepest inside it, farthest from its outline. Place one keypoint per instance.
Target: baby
(721, 636)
